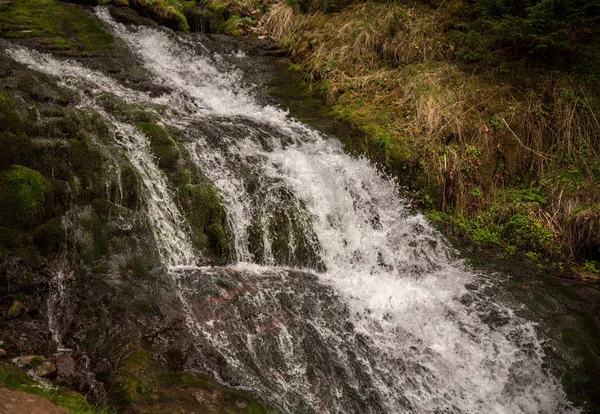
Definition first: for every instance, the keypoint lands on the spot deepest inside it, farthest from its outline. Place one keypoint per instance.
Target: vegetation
(16, 379)
(488, 108)
(53, 24)
(145, 382)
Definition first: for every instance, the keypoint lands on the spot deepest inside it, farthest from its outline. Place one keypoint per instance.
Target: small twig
(596, 355)
(589, 106)
(544, 156)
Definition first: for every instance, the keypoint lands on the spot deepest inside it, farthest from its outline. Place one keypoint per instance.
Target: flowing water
(347, 302)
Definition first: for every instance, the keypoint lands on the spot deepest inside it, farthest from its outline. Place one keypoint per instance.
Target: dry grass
(477, 140)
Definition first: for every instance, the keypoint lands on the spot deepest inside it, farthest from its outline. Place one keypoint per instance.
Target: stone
(16, 309)
(45, 369)
(35, 363)
(126, 15)
(65, 364)
(2, 353)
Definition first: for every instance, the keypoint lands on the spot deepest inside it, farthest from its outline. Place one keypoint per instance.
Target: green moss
(145, 382)
(233, 25)
(130, 113)
(49, 236)
(186, 379)
(22, 193)
(16, 148)
(52, 23)
(166, 12)
(13, 238)
(16, 379)
(10, 121)
(138, 267)
(205, 214)
(162, 145)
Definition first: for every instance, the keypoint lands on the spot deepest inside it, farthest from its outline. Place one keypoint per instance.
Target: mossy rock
(22, 193)
(206, 216)
(162, 145)
(49, 236)
(164, 12)
(201, 19)
(145, 383)
(129, 113)
(10, 121)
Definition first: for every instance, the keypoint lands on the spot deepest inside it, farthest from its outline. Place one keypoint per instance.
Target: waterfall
(346, 301)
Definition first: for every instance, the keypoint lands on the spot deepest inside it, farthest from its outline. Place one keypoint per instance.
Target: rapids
(383, 316)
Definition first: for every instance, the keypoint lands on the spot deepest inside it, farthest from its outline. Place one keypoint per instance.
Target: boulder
(161, 12)
(127, 15)
(65, 365)
(36, 364)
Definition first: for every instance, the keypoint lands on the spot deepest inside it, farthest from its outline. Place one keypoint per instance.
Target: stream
(346, 300)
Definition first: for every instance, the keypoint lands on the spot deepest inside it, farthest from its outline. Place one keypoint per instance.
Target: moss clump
(22, 193)
(162, 145)
(206, 217)
(146, 383)
(16, 379)
(54, 24)
(166, 12)
(130, 113)
(49, 236)
(10, 121)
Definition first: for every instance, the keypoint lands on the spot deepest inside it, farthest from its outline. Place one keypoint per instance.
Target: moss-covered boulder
(146, 385)
(165, 12)
(22, 193)
(206, 217)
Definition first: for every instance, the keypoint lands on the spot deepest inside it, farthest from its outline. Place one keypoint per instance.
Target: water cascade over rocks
(337, 298)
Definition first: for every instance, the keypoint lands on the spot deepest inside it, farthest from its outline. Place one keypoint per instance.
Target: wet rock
(129, 16)
(161, 12)
(199, 18)
(65, 365)
(16, 310)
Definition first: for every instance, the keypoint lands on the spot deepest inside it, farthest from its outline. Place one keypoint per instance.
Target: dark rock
(65, 365)
(129, 16)
(199, 18)
(161, 12)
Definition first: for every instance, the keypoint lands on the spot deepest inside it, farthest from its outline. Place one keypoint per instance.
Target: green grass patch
(57, 25)
(16, 379)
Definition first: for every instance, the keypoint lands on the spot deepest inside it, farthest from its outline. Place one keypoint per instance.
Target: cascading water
(344, 301)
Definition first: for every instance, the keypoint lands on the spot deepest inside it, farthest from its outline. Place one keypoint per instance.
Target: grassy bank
(503, 149)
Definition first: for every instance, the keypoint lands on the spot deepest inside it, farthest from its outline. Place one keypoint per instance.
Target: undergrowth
(504, 150)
